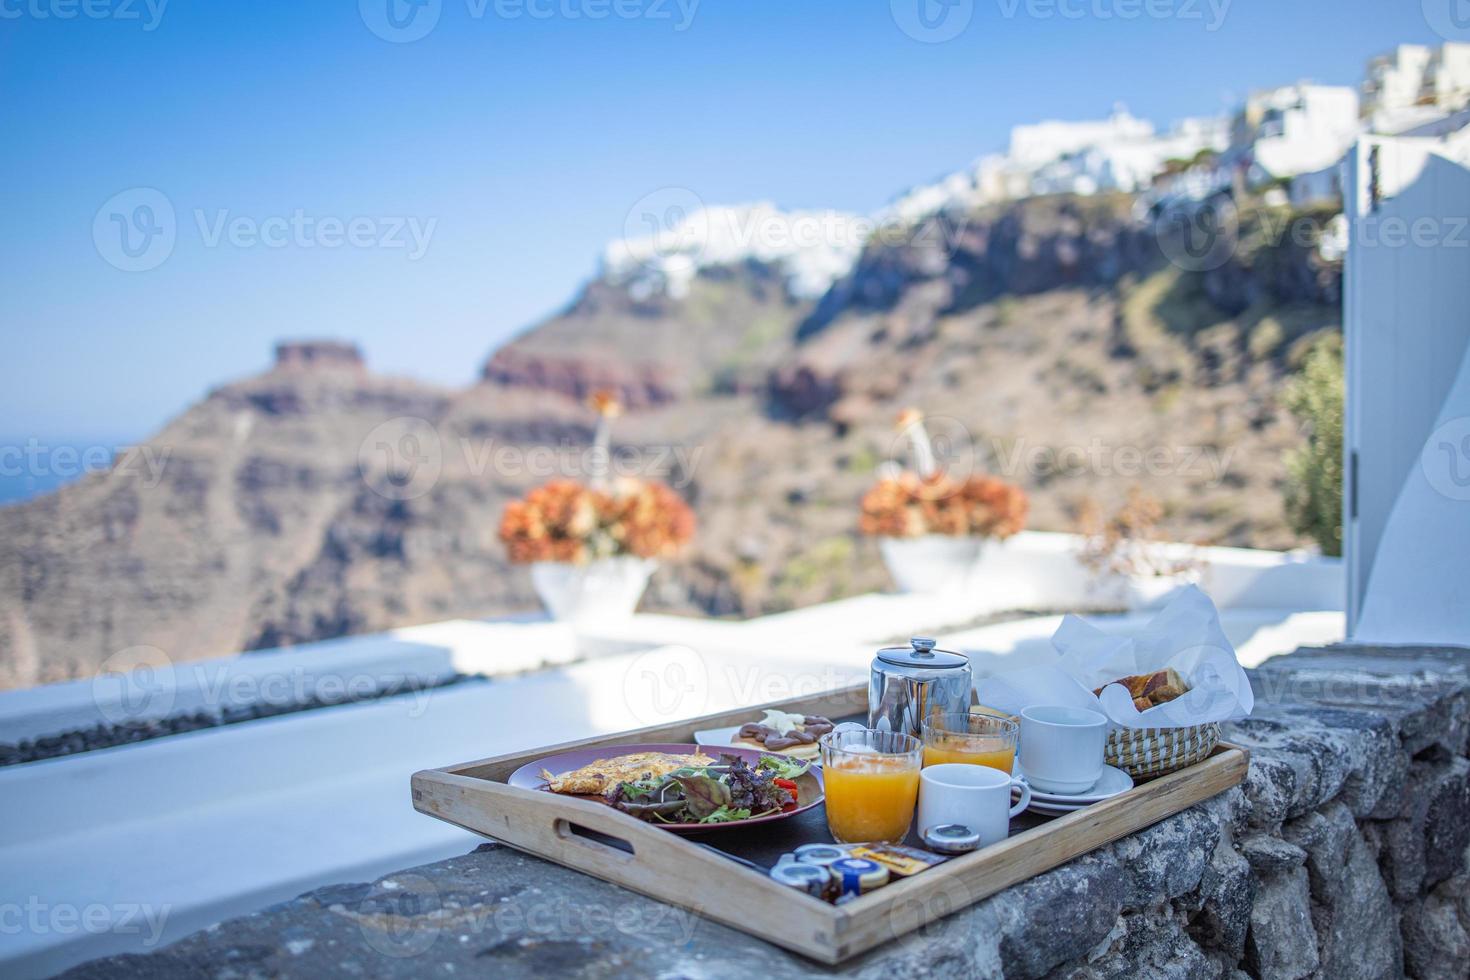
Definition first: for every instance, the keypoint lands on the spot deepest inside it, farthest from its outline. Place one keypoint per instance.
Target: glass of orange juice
(872, 784)
(982, 740)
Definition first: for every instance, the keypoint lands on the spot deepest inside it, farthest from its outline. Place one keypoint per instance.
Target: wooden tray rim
(751, 902)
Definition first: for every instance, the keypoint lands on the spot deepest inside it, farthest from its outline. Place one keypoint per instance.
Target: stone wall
(1343, 855)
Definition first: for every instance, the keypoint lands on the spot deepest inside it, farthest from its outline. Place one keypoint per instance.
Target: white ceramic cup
(1062, 748)
(977, 796)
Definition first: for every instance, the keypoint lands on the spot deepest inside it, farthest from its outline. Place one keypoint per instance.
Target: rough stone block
(1167, 859)
(1355, 921)
(1227, 893)
(1282, 943)
(1426, 844)
(1269, 856)
(1057, 916)
(1437, 932)
(1150, 943)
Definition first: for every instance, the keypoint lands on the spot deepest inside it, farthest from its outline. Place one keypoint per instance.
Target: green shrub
(1314, 472)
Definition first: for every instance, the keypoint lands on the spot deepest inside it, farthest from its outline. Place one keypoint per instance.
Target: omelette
(603, 774)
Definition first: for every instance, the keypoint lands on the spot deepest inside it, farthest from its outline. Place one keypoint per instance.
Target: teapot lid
(921, 653)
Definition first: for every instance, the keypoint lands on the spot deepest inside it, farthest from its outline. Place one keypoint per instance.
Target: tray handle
(547, 824)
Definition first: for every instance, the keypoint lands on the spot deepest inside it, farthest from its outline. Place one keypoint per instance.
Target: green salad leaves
(724, 792)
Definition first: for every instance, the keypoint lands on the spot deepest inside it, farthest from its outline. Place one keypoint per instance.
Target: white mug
(977, 796)
(1062, 748)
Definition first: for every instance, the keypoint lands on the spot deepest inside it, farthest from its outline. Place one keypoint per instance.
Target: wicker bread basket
(1144, 753)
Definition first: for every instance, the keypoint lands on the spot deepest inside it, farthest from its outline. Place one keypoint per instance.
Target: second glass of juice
(872, 784)
(983, 740)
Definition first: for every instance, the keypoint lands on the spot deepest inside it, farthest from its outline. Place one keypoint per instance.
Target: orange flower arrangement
(911, 504)
(908, 505)
(568, 521)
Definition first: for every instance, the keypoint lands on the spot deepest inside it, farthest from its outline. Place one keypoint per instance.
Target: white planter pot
(933, 563)
(602, 591)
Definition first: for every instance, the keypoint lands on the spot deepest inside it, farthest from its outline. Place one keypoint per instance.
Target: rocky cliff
(1050, 340)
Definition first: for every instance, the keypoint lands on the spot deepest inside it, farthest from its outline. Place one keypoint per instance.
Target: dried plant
(568, 521)
(1128, 542)
(574, 522)
(907, 506)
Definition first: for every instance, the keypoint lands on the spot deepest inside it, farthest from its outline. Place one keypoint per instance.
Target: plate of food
(776, 733)
(685, 788)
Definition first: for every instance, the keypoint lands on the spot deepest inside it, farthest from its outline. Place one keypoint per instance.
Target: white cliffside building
(1296, 129)
(1414, 85)
(1119, 153)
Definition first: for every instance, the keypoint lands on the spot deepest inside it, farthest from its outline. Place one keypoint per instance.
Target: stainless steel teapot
(908, 684)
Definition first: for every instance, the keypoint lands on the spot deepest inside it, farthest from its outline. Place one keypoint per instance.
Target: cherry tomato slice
(789, 787)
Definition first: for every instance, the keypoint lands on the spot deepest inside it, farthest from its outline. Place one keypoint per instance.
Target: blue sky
(520, 133)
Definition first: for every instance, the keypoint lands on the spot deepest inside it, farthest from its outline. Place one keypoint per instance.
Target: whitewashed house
(1407, 418)
(1296, 129)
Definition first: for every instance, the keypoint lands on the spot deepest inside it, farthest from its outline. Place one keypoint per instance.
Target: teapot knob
(922, 644)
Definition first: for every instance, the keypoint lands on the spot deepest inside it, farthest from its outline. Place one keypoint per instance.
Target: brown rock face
(1055, 352)
(304, 355)
(638, 384)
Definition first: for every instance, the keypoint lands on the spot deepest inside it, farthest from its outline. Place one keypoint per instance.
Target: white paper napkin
(1185, 635)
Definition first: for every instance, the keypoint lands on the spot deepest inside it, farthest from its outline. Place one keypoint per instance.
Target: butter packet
(899, 859)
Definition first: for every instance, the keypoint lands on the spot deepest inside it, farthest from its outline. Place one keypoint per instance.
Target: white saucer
(1112, 782)
(1053, 809)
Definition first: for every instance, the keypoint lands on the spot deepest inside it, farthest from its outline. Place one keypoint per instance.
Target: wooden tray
(598, 840)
